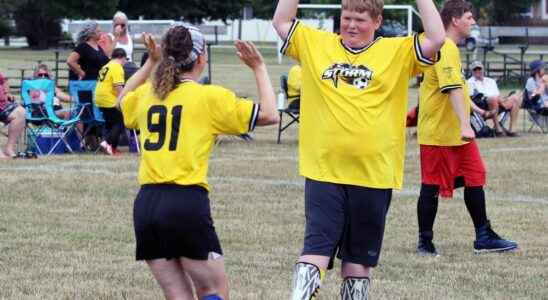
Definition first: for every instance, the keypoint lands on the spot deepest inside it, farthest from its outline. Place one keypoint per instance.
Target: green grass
(66, 221)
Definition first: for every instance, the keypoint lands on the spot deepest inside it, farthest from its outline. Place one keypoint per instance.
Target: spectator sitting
(294, 82)
(536, 86)
(11, 114)
(110, 84)
(38, 97)
(479, 84)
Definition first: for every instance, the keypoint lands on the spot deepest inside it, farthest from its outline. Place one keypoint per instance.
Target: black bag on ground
(480, 127)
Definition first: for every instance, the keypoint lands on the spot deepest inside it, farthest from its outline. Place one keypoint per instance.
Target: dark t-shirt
(91, 61)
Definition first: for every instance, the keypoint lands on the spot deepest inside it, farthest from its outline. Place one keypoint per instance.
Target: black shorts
(345, 218)
(5, 113)
(173, 221)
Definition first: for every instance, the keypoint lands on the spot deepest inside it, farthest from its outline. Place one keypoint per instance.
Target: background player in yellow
(109, 86)
(179, 120)
(449, 154)
(352, 133)
(294, 83)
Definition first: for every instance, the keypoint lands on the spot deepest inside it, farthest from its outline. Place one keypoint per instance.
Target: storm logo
(358, 76)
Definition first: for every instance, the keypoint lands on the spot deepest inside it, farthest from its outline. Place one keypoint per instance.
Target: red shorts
(450, 167)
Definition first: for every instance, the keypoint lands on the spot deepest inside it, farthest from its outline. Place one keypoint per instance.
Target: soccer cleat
(307, 279)
(355, 288)
(488, 240)
(427, 248)
(106, 148)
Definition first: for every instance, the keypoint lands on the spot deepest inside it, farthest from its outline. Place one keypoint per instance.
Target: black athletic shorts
(5, 113)
(173, 221)
(345, 218)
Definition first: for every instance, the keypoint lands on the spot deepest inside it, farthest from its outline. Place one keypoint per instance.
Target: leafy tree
(39, 20)
(5, 28)
(191, 10)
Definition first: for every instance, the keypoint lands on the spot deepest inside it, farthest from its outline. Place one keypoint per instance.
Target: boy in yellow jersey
(352, 134)
(109, 86)
(179, 120)
(449, 154)
(294, 83)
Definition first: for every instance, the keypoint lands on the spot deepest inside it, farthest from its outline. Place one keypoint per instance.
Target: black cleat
(488, 241)
(427, 248)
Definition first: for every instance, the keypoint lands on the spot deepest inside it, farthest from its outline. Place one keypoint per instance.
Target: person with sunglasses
(42, 72)
(121, 38)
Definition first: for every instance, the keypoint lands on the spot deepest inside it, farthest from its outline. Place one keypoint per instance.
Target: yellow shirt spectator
(111, 76)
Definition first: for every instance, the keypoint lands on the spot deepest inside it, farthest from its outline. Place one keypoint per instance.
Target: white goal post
(410, 12)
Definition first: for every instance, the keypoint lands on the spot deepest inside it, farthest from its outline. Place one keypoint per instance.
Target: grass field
(66, 221)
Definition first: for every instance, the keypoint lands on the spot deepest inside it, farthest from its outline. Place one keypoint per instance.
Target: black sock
(427, 207)
(474, 198)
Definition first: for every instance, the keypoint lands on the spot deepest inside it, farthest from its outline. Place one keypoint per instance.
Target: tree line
(39, 20)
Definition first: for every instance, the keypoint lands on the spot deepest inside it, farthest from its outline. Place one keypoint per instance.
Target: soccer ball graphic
(361, 83)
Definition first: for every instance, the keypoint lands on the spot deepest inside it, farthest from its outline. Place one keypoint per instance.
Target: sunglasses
(122, 25)
(42, 75)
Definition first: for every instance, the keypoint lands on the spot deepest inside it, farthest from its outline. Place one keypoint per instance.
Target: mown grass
(66, 222)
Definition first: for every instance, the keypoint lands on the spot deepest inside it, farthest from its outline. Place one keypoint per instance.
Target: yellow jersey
(110, 76)
(294, 82)
(178, 133)
(438, 123)
(353, 106)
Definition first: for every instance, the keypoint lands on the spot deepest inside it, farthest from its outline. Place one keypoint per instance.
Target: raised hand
(249, 54)
(154, 51)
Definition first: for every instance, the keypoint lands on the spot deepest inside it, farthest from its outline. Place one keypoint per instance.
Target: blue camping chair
(41, 117)
(82, 93)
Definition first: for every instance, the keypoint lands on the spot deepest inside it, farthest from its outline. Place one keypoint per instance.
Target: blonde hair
(373, 7)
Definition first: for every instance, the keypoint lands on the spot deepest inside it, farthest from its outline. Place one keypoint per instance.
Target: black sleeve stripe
(291, 31)
(420, 55)
(254, 117)
(447, 88)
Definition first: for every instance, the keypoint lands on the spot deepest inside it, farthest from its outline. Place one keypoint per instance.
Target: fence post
(209, 63)
(216, 35)
(56, 66)
(505, 76)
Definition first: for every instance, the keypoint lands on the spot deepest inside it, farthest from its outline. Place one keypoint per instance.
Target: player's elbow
(268, 118)
(281, 25)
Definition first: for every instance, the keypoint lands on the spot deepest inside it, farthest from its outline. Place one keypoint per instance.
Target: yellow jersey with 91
(111, 76)
(178, 133)
(353, 106)
(438, 123)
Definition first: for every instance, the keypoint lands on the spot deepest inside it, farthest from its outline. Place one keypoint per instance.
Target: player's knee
(307, 279)
(355, 288)
(429, 191)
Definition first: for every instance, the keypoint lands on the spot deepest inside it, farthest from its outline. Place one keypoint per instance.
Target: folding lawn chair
(292, 112)
(532, 109)
(82, 93)
(41, 117)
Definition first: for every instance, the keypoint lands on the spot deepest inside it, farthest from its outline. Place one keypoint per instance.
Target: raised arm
(144, 72)
(283, 17)
(456, 96)
(249, 55)
(433, 28)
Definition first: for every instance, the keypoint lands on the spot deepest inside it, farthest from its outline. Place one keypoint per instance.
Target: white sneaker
(106, 148)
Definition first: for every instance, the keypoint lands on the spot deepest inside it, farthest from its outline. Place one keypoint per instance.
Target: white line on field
(272, 182)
